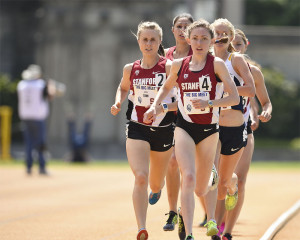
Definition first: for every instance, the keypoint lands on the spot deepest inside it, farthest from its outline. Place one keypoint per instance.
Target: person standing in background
(33, 97)
(79, 142)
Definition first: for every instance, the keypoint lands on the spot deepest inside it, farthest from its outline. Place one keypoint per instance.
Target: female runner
(149, 142)
(199, 80)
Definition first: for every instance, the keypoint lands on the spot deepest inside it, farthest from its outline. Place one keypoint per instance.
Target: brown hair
(242, 35)
(197, 24)
(183, 15)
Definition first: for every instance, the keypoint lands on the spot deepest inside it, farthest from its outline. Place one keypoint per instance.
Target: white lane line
(281, 221)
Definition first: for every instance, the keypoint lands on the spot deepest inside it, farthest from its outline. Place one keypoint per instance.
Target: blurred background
(85, 44)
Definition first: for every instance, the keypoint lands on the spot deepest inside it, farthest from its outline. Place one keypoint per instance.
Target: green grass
(63, 164)
(270, 143)
(261, 165)
(123, 164)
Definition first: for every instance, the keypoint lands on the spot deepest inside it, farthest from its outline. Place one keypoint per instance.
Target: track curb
(281, 221)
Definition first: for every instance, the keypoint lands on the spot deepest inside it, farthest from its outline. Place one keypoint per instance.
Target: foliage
(285, 97)
(266, 12)
(8, 97)
(296, 143)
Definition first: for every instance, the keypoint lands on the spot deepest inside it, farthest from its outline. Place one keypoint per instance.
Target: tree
(273, 12)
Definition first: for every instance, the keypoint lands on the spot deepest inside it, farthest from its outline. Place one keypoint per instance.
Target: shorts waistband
(145, 125)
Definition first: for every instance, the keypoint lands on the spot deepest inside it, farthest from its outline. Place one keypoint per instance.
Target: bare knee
(173, 165)
(189, 180)
(141, 179)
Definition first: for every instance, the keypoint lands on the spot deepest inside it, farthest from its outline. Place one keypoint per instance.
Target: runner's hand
(115, 109)
(150, 115)
(264, 116)
(199, 104)
(254, 124)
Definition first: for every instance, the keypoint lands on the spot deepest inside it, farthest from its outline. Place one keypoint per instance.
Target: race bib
(160, 79)
(225, 94)
(188, 105)
(245, 102)
(144, 95)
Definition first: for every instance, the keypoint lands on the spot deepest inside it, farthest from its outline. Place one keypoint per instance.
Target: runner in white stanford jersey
(240, 43)
(151, 141)
(233, 134)
(196, 133)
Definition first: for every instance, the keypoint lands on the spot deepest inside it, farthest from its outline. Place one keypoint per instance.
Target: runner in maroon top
(144, 84)
(196, 140)
(180, 50)
(147, 142)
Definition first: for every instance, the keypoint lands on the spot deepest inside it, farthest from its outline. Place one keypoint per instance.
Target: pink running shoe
(221, 229)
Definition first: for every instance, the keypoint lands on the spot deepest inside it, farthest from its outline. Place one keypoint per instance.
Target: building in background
(85, 45)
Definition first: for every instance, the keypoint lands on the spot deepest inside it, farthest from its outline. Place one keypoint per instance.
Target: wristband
(165, 107)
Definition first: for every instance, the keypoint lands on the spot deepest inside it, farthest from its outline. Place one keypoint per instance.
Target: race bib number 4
(188, 105)
(144, 95)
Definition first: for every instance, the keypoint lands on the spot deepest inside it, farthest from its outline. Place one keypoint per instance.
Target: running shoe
(171, 222)
(142, 234)
(227, 236)
(154, 197)
(212, 228)
(231, 201)
(214, 179)
(189, 237)
(203, 222)
(181, 227)
(215, 237)
(221, 229)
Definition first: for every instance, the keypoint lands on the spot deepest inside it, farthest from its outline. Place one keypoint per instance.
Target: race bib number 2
(144, 95)
(160, 79)
(188, 105)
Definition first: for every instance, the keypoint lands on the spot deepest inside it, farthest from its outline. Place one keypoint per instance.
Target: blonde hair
(149, 25)
(225, 21)
(153, 26)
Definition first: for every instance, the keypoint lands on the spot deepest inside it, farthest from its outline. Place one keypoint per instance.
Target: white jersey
(238, 82)
(247, 108)
(32, 104)
(144, 86)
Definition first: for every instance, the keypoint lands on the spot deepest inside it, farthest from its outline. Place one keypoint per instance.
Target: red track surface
(84, 203)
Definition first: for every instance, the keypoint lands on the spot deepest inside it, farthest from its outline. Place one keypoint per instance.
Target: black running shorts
(249, 130)
(232, 139)
(159, 138)
(198, 132)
